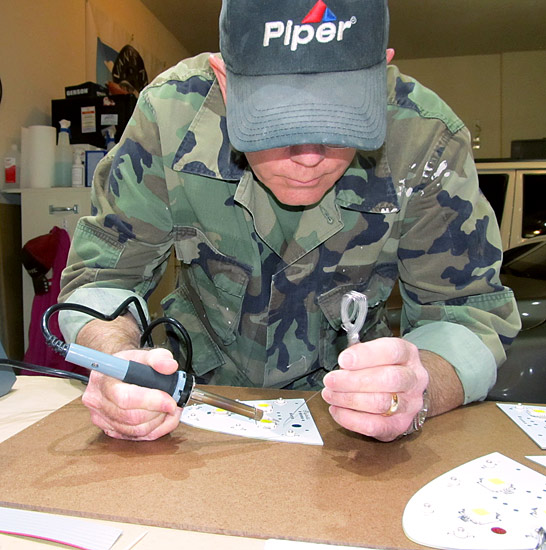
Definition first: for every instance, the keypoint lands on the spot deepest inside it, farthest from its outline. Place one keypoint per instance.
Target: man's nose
(307, 154)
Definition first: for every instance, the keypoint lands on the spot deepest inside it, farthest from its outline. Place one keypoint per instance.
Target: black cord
(62, 347)
(44, 370)
(146, 335)
(145, 340)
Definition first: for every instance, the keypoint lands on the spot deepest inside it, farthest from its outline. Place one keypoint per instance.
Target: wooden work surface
(351, 491)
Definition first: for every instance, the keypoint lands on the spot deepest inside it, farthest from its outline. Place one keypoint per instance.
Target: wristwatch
(420, 417)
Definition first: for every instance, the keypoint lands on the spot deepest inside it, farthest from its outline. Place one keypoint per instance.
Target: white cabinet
(41, 209)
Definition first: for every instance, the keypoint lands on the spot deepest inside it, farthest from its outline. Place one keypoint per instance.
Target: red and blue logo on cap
(320, 13)
(329, 29)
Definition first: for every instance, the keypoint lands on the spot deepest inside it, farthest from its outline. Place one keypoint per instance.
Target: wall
(43, 50)
(523, 96)
(504, 93)
(42, 45)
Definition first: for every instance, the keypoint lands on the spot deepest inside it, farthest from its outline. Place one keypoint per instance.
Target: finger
(371, 380)
(117, 399)
(372, 425)
(157, 427)
(130, 396)
(134, 423)
(382, 351)
(373, 403)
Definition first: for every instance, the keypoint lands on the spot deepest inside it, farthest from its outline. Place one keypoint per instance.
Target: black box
(88, 116)
(87, 89)
(531, 149)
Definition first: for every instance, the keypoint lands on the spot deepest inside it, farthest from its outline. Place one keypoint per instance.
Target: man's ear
(390, 55)
(219, 68)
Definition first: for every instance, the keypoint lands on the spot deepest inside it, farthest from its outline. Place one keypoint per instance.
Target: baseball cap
(38, 256)
(305, 71)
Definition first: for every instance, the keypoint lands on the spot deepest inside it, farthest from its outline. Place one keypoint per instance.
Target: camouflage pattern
(265, 312)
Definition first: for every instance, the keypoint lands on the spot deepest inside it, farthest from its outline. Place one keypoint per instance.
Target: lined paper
(75, 532)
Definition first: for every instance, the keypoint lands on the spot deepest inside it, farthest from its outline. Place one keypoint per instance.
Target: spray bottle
(12, 167)
(109, 137)
(63, 156)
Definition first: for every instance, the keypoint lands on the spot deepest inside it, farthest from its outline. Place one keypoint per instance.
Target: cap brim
(346, 109)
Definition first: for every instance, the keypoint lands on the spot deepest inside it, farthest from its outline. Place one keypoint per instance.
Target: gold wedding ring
(394, 405)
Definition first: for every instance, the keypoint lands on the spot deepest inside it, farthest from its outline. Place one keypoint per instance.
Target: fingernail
(347, 359)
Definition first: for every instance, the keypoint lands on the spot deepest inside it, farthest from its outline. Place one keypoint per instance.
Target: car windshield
(528, 260)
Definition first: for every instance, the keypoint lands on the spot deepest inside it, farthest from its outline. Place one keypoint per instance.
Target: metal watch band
(420, 417)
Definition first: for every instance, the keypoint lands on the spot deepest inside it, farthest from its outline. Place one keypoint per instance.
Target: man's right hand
(126, 411)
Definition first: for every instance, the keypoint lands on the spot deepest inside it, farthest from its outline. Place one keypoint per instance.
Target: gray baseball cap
(305, 71)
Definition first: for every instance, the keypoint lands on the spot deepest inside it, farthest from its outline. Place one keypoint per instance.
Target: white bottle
(77, 169)
(63, 157)
(12, 167)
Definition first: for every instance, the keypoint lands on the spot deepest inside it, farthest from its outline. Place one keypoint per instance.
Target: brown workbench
(352, 491)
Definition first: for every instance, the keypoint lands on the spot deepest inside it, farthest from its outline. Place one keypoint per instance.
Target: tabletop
(195, 484)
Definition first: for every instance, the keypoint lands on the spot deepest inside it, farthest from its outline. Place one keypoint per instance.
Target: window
(494, 188)
(534, 207)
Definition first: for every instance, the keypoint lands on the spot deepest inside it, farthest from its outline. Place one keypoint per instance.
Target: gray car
(522, 378)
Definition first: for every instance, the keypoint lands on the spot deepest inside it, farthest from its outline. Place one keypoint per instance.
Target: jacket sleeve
(122, 248)
(449, 258)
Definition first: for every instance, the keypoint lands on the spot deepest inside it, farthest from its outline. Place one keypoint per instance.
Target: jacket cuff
(472, 360)
(104, 300)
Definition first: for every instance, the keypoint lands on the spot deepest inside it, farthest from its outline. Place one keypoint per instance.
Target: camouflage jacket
(262, 311)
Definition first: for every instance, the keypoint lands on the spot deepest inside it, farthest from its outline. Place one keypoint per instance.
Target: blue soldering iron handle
(178, 385)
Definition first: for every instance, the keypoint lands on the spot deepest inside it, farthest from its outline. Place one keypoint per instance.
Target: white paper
(75, 532)
(40, 156)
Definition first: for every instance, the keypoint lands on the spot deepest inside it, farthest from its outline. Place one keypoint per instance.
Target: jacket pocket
(207, 354)
(219, 281)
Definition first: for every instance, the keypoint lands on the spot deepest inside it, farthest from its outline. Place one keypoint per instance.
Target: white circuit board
(490, 503)
(287, 420)
(530, 418)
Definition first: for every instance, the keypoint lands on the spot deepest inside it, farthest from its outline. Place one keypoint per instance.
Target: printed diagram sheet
(530, 418)
(287, 420)
(490, 503)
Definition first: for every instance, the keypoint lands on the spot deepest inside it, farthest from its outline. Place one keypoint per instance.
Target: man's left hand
(361, 391)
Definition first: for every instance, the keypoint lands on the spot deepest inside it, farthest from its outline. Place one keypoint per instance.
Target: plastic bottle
(12, 166)
(63, 156)
(109, 137)
(77, 169)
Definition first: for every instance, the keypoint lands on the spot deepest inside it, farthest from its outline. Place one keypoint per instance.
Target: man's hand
(360, 392)
(126, 411)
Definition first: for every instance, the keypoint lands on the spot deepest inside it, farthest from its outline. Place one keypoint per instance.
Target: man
(290, 171)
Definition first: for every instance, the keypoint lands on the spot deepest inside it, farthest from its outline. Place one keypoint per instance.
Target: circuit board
(490, 503)
(530, 418)
(286, 420)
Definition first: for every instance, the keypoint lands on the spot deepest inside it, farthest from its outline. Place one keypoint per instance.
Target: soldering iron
(180, 385)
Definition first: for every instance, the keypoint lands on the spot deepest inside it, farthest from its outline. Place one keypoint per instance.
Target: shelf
(36, 189)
